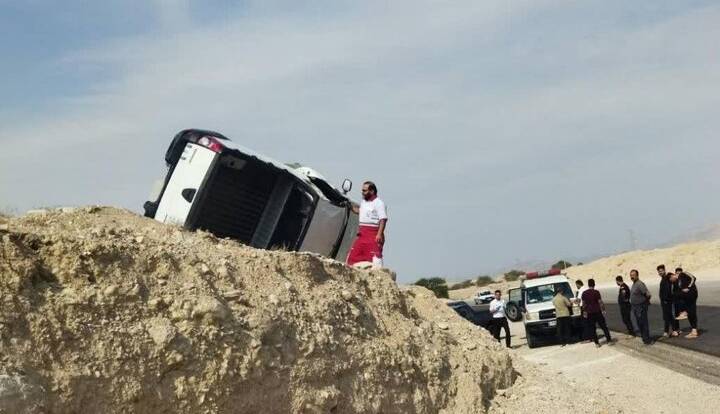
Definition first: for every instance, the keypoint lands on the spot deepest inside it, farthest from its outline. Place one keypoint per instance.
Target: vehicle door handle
(188, 194)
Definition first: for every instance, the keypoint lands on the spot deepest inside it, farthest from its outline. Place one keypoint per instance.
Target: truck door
(194, 165)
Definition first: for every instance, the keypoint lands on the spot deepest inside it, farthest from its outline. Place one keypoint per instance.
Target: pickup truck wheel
(531, 341)
(513, 312)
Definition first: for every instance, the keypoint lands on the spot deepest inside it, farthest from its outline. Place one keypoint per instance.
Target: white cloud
(455, 96)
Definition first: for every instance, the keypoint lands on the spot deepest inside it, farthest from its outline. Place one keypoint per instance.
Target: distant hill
(694, 257)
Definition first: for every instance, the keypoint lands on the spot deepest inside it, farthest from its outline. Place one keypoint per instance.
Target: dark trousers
(679, 306)
(563, 329)
(595, 319)
(641, 317)
(625, 310)
(501, 323)
(585, 329)
(671, 324)
(691, 308)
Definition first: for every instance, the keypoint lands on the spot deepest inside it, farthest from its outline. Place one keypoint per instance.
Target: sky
(499, 133)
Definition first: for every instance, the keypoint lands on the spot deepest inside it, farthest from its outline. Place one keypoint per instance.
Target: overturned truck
(215, 185)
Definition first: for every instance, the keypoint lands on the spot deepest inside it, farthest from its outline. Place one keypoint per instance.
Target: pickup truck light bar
(544, 273)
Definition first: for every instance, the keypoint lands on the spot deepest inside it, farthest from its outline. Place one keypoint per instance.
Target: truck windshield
(545, 293)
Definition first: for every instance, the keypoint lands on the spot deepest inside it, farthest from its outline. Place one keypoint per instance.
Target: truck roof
(549, 280)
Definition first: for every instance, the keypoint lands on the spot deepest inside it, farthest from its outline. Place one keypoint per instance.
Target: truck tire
(513, 312)
(531, 340)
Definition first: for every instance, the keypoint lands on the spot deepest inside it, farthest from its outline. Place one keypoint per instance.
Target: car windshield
(545, 293)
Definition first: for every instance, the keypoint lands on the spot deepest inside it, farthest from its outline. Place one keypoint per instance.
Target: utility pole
(633, 239)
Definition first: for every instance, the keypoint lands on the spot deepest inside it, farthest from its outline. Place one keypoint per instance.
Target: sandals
(691, 335)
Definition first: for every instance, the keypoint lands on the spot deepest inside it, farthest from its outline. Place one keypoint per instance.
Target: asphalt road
(708, 318)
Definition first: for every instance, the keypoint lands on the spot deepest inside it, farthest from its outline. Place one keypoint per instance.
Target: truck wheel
(531, 340)
(513, 312)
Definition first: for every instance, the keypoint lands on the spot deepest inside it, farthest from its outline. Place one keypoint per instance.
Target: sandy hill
(103, 311)
(700, 258)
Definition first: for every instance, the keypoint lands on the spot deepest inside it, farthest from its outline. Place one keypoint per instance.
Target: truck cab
(216, 185)
(537, 306)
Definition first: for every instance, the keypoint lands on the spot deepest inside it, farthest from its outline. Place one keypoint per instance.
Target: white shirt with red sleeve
(371, 212)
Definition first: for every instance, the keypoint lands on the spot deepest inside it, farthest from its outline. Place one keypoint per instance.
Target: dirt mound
(695, 257)
(105, 311)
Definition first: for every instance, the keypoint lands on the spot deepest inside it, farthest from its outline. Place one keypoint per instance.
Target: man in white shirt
(497, 309)
(580, 290)
(368, 246)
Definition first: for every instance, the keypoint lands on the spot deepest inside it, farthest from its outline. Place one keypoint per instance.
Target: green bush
(513, 275)
(436, 284)
(483, 280)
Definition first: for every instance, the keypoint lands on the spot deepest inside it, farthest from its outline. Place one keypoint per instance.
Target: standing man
(562, 312)
(593, 309)
(640, 300)
(368, 247)
(624, 304)
(687, 290)
(580, 290)
(585, 329)
(666, 301)
(497, 309)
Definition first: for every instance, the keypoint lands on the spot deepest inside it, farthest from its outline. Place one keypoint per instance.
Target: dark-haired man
(593, 310)
(624, 304)
(584, 330)
(640, 301)
(687, 292)
(368, 246)
(666, 302)
(499, 321)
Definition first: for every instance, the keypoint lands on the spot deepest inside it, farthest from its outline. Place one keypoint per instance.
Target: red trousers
(365, 248)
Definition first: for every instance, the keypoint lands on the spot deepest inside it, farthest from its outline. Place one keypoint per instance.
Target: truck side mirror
(346, 186)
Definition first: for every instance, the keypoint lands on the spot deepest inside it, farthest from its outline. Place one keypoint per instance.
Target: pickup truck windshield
(545, 293)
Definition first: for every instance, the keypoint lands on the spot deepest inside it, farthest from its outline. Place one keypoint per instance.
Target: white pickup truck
(484, 296)
(537, 306)
(216, 185)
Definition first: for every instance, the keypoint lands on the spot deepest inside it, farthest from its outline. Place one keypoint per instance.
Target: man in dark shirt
(687, 292)
(640, 300)
(593, 309)
(624, 304)
(666, 302)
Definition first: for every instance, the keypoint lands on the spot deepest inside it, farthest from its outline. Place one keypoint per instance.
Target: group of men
(593, 313)
(678, 299)
(678, 291)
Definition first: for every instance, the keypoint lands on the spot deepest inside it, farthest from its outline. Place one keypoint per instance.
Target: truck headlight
(532, 316)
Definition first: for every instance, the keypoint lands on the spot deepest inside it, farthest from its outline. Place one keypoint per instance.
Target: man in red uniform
(368, 246)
